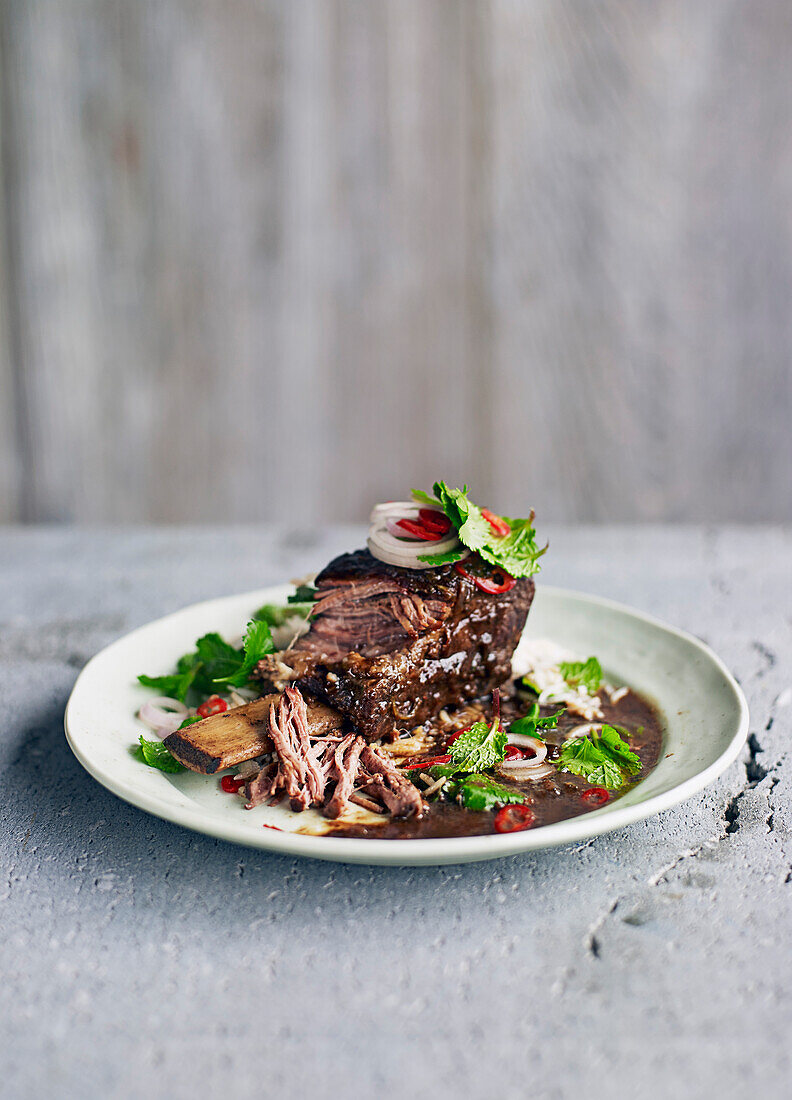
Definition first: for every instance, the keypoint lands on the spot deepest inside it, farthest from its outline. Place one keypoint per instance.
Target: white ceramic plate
(704, 712)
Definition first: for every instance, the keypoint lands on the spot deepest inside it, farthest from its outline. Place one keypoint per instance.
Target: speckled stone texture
(140, 960)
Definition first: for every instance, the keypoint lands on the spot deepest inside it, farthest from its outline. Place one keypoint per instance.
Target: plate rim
(427, 851)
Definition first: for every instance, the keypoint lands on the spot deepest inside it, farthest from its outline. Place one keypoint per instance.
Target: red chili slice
(431, 520)
(213, 705)
(418, 530)
(499, 526)
(514, 752)
(597, 796)
(231, 785)
(496, 586)
(500, 581)
(427, 763)
(513, 819)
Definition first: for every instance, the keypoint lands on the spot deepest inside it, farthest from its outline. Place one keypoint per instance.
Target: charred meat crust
(457, 650)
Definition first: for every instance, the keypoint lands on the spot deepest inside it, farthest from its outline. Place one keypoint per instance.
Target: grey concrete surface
(140, 960)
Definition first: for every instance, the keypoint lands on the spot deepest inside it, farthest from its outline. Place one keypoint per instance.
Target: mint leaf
(157, 756)
(479, 792)
(550, 721)
(175, 686)
(476, 750)
(188, 680)
(527, 724)
(587, 674)
(214, 662)
(220, 659)
(533, 722)
(479, 748)
(619, 750)
(605, 760)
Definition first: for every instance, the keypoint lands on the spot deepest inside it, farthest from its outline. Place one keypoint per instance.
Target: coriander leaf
(605, 760)
(472, 528)
(479, 792)
(583, 757)
(304, 593)
(443, 559)
(587, 674)
(157, 756)
(258, 642)
(516, 552)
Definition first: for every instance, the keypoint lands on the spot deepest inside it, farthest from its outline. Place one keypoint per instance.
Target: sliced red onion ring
(398, 549)
(163, 714)
(524, 769)
(402, 509)
(582, 730)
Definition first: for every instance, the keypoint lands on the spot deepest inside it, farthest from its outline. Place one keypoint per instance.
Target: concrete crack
(755, 772)
(591, 941)
(768, 656)
(689, 853)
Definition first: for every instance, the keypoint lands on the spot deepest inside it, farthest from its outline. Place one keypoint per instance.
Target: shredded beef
(344, 769)
(323, 771)
(389, 785)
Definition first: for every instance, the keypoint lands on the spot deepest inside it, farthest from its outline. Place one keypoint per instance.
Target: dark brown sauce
(555, 798)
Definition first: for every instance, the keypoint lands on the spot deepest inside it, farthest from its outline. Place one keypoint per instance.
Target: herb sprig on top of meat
(508, 544)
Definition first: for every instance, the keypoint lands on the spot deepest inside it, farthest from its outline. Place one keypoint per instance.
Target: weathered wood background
(279, 259)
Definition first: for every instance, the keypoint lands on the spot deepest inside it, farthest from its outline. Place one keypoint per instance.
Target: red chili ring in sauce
(597, 796)
(513, 819)
(231, 785)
